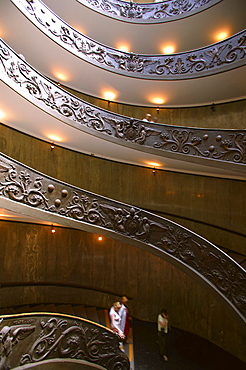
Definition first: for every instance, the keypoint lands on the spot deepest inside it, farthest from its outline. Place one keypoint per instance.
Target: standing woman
(162, 332)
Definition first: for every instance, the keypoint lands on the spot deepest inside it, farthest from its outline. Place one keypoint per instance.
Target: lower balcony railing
(39, 338)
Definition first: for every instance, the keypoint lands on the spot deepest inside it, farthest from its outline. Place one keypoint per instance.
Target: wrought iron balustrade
(27, 339)
(228, 146)
(216, 58)
(155, 12)
(53, 200)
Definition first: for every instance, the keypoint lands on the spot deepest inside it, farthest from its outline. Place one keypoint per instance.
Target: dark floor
(185, 351)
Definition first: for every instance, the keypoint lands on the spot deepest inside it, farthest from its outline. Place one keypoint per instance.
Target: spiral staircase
(56, 63)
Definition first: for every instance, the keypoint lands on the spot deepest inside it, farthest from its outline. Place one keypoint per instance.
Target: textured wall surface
(39, 267)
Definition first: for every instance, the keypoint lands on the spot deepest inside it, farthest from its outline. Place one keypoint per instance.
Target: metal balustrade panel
(156, 12)
(29, 339)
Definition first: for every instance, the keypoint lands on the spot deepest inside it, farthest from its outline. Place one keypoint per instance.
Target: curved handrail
(23, 187)
(38, 337)
(187, 143)
(216, 58)
(156, 12)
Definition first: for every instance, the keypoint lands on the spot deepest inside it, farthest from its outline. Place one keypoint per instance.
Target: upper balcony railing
(44, 339)
(156, 12)
(220, 57)
(29, 192)
(214, 145)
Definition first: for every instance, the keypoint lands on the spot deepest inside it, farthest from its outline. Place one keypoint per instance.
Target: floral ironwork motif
(225, 55)
(192, 251)
(148, 13)
(10, 335)
(53, 337)
(222, 145)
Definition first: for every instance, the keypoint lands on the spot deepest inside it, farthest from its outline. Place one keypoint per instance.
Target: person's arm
(112, 319)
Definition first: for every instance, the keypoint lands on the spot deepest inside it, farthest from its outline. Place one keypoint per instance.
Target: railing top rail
(152, 12)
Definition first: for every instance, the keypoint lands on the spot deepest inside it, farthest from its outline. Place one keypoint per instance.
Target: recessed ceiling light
(54, 137)
(153, 164)
(2, 114)
(158, 100)
(61, 76)
(168, 49)
(124, 48)
(109, 95)
(221, 35)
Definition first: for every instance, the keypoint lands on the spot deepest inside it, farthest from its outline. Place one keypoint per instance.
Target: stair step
(50, 308)
(65, 308)
(7, 311)
(101, 316)
(80, 311)
(38, 308)
(22, 309)
(91, 313)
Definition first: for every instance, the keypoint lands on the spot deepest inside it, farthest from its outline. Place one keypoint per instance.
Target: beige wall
(73, 259)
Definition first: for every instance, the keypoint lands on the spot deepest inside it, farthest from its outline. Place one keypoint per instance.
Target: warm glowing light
(109, 95)
(54, 138)
(79, 29)
(153, 164)
(53, 230)
(1, 114)
(158, 101)
(5, 215)
(124, 48)
(100, 238)
(168, 49)
(222, 35)
(61, 76)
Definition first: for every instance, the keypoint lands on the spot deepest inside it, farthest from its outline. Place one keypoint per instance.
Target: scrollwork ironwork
(192, 251)
(156, 12)
(225, 55)
(53, 337)
(219, 145)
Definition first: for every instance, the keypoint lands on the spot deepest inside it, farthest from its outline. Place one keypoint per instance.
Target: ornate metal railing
(156, 12)
(205, 144)
(54, 200)
(223, 56)
(43, 338)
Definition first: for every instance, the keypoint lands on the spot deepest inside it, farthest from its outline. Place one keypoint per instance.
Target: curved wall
(211, 207)
(76, 258)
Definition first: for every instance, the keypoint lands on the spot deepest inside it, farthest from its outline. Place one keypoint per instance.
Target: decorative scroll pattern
(223, 56)
(156, 12)
(222, 145)
(47, 337)
(189, 249)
